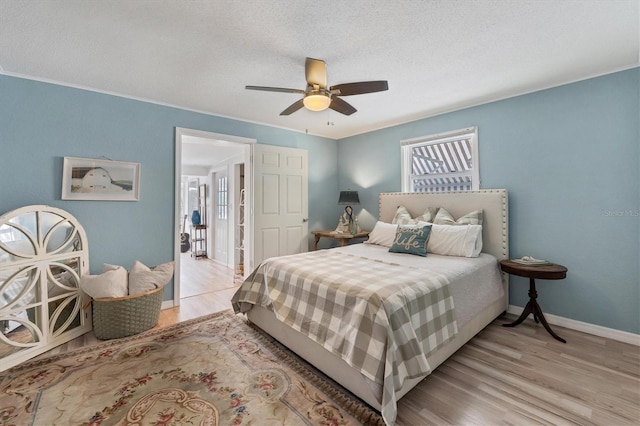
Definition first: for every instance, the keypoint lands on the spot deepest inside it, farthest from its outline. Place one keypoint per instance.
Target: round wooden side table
(551, 271)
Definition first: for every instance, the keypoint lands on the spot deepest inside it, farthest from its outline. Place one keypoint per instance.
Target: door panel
(294, 235)
(271, 190)
(294, 191)
(280, 201)
(269, 237)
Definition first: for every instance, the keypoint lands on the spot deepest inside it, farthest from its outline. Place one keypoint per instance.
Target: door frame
(180, 132)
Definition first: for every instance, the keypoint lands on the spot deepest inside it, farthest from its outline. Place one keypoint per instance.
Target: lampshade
(349, 197)
(316, 102)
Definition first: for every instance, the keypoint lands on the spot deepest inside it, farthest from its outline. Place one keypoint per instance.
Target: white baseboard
(167, 304)
(585, 327)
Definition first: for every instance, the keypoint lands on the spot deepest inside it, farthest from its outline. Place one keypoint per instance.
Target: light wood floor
(205, 287)
(522, 376)
(503, 376)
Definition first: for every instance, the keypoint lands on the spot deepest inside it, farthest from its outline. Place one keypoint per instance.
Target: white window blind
(441, 163)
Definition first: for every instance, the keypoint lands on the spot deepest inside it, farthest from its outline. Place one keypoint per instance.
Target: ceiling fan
(317, 97)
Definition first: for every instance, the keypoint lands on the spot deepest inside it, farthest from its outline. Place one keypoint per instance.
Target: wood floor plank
(202, 276)
(517, 389)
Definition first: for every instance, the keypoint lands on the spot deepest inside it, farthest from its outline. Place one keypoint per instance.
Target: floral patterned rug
(214, 370)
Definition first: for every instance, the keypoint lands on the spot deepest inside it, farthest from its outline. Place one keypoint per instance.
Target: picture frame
(102, 180)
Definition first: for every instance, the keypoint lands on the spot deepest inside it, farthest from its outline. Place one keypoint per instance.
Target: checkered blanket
(382, 318)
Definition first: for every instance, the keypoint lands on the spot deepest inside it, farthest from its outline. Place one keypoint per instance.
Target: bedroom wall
(569, 157)
(40, 123)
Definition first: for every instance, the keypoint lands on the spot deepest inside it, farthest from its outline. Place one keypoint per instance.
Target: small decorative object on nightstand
(532, 269)
(342, 238)
(348, 222)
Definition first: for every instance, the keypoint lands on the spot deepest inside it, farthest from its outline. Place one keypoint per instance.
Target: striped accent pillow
(443, 217)
(403, 217)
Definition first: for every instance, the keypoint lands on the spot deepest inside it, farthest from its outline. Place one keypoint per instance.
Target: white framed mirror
(43, 256)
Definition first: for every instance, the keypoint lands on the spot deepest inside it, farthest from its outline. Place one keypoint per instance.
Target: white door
(221, 217)
(281, 197)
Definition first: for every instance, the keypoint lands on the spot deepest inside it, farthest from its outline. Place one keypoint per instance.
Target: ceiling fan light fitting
(316, 102)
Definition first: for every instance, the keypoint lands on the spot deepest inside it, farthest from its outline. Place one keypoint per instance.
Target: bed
(386, 346)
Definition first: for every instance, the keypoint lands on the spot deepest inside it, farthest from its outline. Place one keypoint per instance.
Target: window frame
(406, 155)
(222, 189)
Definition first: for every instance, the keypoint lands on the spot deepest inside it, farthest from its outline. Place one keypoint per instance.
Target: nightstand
(550, 271)
(342, 239)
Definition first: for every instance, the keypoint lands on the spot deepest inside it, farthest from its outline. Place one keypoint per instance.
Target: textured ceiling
(438, 55)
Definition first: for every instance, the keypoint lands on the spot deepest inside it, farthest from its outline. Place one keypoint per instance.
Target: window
(222, 198)
(441, 163)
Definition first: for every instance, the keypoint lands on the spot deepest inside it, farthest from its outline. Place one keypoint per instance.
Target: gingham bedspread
(382, 318)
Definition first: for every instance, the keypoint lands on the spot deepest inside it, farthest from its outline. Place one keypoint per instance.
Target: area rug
(214, 370)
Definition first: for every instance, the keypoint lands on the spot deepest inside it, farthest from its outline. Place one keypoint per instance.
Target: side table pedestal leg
(525, 313)
(538, 313)
(532, 307)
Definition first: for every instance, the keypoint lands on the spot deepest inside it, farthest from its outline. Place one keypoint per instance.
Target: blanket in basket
(382, 318)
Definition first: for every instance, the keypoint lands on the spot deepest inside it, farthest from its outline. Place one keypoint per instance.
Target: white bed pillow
(142, 278)
(455, 240)
(382, 234)
(112, 282)
(107, 267)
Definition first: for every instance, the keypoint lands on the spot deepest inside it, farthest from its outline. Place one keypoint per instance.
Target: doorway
(207, 157)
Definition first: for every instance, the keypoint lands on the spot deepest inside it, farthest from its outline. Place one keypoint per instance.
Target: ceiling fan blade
(274, 89)
(293, 108)
(361, 87)
(341, 106)
(315, 72)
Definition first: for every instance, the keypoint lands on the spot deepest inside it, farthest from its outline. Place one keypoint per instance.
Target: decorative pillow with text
(411, 239)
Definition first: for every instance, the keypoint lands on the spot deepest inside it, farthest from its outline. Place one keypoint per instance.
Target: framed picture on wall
(91, 179)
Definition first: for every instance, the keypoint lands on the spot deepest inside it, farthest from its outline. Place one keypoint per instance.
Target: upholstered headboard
(493, 202)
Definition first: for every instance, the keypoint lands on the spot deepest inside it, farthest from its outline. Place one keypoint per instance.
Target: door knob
(306, 219)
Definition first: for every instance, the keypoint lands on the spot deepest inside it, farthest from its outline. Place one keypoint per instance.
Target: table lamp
(350, 198)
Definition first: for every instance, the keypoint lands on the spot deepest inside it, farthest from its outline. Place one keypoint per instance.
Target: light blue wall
(41, 123)
(569, 157)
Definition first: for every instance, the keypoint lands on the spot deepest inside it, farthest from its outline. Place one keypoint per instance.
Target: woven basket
(116, 317)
